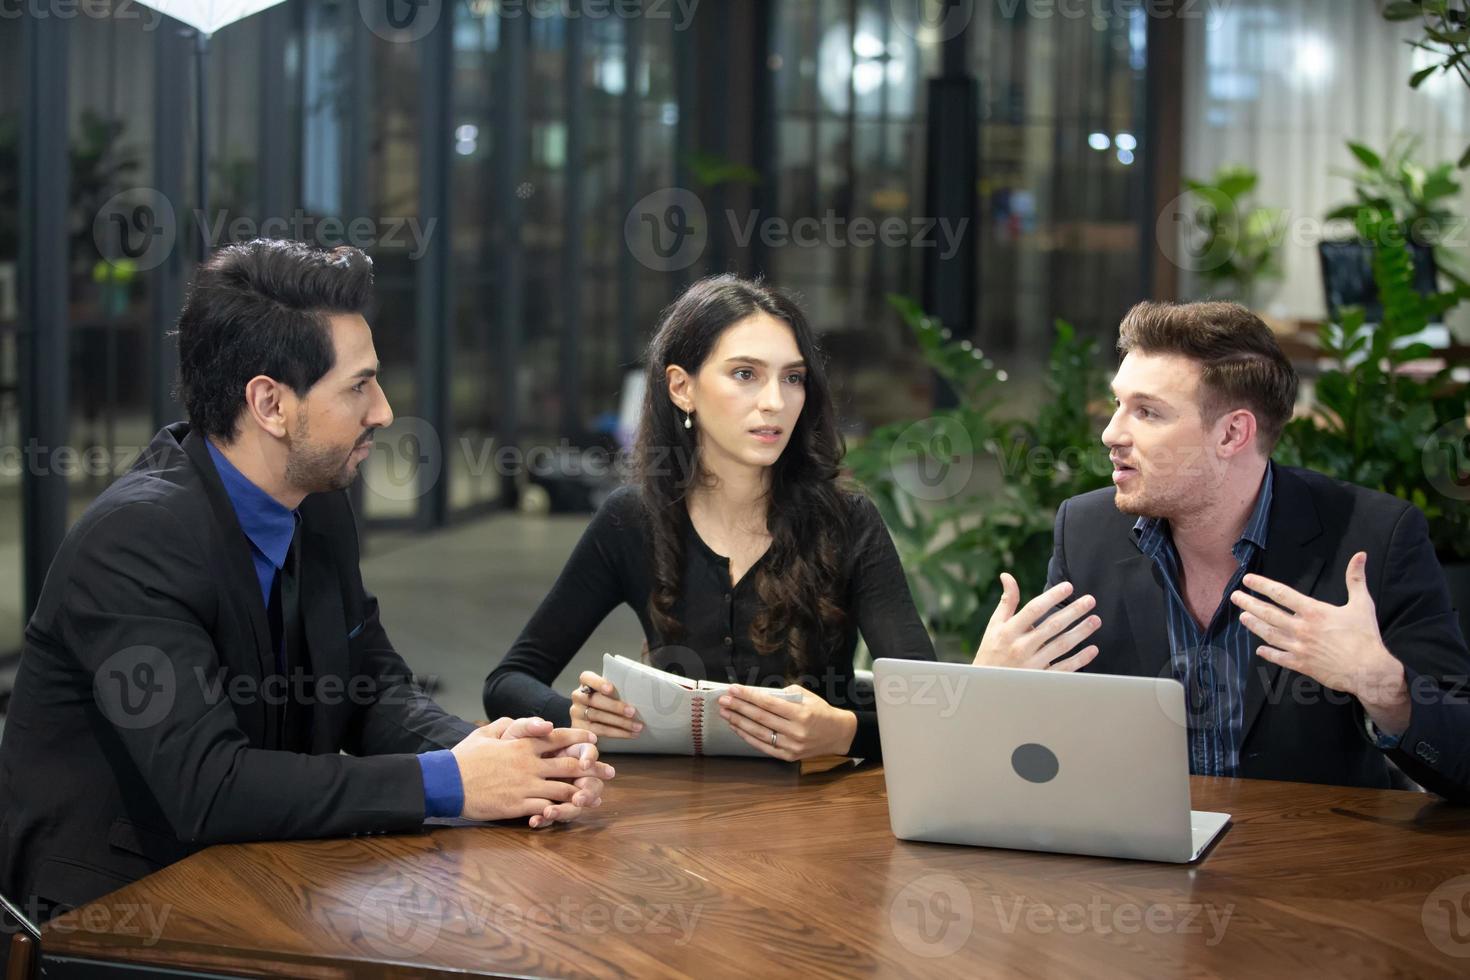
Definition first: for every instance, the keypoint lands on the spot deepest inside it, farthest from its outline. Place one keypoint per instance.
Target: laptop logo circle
(1035, 763)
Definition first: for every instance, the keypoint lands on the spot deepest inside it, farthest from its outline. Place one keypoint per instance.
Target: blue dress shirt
(269, 526)
(1212, 663)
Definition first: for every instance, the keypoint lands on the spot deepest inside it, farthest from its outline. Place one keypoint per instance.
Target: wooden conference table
(753, 868)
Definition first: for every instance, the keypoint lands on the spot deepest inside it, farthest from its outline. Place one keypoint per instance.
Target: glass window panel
(110, 124)
(474, 402)
(392, 181)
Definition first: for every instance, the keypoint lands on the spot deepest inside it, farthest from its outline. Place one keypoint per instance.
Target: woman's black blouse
(612, 564)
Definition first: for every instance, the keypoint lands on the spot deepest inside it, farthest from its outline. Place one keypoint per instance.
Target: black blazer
(140, 730)
(1294, 728)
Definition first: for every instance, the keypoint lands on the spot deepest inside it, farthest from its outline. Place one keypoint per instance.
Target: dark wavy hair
(260, 307)
(806, 512)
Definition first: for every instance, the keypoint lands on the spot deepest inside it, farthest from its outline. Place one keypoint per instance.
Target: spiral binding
(696, 724)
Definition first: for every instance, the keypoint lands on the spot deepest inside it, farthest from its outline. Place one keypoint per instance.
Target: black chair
(20, 943)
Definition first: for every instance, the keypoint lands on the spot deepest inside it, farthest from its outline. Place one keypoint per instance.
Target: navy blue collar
(265, 521)
(1149, 532)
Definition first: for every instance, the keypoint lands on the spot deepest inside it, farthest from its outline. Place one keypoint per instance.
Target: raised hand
(1022, 638)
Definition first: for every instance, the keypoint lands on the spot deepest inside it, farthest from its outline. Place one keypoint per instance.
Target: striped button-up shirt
(1212, 663)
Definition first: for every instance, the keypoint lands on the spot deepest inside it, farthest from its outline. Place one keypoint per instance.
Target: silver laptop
(1039, 760)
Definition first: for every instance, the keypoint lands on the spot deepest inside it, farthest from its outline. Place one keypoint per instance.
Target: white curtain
(1280, 87)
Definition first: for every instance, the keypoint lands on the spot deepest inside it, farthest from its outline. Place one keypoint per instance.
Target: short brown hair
(1242, 364)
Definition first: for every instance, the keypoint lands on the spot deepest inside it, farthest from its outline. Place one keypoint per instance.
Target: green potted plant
(954, 543)
(1378, 423)
(1444, 33)
(713, 170)
(1417, 197)
(1239, 243)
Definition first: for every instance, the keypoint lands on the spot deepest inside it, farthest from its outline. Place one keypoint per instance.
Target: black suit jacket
(1294, 728)
(142, 727)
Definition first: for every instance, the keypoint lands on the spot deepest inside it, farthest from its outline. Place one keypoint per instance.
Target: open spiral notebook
(680, 715)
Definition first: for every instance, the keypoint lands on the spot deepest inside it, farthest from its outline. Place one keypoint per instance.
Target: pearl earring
(687, 424)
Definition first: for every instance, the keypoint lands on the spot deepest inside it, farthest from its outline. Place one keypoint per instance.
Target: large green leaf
(1236, 182)
(1403, 10)
(1369, 159)
(1420, 76)
(1457, 36)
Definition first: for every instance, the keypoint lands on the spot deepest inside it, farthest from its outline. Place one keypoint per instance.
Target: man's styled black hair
(261, 307)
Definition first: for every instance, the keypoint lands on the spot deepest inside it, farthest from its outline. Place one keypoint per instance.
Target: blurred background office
(536, 179)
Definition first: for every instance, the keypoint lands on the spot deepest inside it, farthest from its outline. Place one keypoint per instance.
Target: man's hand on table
(526, 767)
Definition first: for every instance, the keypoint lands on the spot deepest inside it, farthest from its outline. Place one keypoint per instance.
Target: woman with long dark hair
(744, 558)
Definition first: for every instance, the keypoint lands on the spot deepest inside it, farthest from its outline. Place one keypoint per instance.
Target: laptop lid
(1035, 760)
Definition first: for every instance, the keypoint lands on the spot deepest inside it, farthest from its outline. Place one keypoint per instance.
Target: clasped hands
(526, 767)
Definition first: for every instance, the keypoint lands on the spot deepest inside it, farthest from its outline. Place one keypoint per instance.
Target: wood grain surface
(723, 867)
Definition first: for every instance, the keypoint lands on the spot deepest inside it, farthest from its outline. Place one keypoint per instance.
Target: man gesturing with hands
(1308, 619)
(1028, 637)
